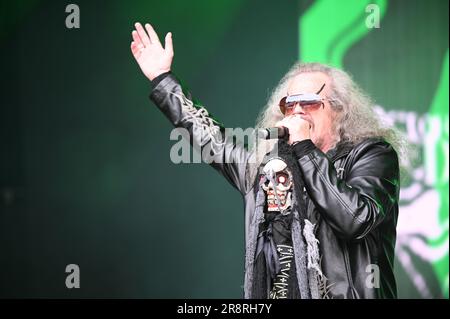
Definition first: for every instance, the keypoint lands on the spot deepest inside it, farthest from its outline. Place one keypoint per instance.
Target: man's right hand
(152, 58)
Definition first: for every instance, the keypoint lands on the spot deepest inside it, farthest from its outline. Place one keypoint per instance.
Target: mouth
(272, 201)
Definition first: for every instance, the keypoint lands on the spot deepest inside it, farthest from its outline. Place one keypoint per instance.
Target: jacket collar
(342, 149)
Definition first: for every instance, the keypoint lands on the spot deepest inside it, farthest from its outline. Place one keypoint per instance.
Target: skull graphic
(278, 185)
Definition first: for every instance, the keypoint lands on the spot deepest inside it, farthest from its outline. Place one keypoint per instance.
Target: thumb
(168, 44)
(279, 123)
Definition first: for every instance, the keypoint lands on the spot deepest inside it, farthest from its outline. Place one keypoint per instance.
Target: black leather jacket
(353, 193)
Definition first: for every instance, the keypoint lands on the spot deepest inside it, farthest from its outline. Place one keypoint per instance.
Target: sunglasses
(307, 101)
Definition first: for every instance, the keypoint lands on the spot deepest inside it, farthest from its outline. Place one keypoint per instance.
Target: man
(320, 214)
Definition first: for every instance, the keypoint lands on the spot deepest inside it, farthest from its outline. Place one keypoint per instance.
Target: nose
(298, 109)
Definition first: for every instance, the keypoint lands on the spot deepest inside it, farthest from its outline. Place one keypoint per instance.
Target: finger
(142, 34)
(303, 119)
(169, 45)
(137, 40)
(152, 34)
(135, 49)
(280, 123)
(136, 37)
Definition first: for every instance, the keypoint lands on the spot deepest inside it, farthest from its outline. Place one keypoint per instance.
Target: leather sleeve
(353, 207)
(206, 135)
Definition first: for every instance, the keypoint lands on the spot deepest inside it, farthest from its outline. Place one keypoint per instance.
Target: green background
(85, 173)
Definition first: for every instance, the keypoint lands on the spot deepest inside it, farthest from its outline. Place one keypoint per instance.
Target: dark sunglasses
(306, 101)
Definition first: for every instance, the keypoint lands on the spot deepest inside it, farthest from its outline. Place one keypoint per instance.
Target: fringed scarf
(282, 253)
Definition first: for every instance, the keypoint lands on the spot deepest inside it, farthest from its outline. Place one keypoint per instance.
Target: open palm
(152, 58)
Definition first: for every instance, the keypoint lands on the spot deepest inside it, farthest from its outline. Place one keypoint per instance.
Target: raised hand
(152, 58)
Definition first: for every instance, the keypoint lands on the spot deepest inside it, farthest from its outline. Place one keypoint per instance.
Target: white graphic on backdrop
(419, 222)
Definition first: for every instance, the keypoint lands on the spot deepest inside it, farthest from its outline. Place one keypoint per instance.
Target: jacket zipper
(349, 275)
(341, 172)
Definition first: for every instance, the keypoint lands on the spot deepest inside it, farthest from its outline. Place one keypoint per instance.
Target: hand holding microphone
(297, 128)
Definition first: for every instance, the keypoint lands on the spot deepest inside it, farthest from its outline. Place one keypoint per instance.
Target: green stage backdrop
(85, 172)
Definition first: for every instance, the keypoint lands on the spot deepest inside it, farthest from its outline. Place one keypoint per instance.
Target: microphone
(273, 133)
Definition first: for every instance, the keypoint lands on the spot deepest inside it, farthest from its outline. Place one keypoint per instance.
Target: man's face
(320, 117)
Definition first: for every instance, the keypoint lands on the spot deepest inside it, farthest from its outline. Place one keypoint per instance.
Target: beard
(324, 143)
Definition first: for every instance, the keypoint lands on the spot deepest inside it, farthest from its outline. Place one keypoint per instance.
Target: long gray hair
(354, 116)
